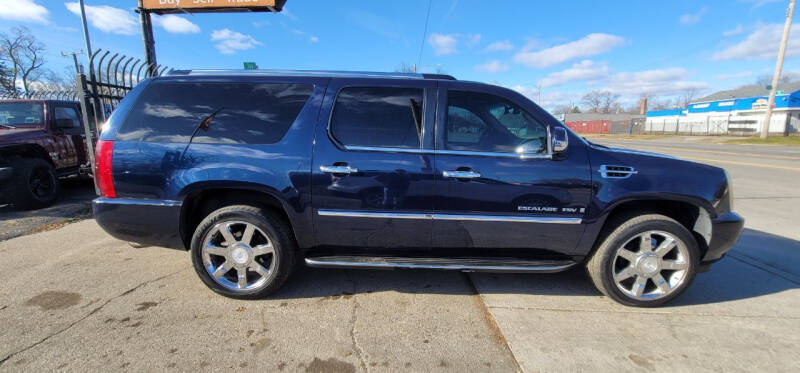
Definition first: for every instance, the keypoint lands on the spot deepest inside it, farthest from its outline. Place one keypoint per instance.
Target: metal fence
(111, 77)
(744, 124)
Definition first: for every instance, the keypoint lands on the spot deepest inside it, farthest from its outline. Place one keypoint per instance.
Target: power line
(424, 34)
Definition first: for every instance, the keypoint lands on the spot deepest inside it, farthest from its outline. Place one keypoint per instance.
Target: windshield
(21, 114)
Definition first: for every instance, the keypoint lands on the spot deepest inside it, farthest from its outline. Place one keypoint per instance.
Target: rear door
(498, 190)
(373, 166)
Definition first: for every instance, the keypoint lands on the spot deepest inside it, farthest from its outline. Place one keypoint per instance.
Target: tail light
(103, 175)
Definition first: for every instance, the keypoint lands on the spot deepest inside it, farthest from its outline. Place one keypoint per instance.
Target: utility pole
(86, 35)
(75, 59)
(778, 67)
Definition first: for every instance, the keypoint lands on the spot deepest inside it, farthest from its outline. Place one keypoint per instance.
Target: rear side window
(378, 117)
(67, 114)
(246, 113)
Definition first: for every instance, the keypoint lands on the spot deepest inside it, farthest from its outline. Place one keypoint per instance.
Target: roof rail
(320, 73)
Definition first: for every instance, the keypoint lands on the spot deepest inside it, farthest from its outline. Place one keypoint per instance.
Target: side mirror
(532, 146)
(559, 139)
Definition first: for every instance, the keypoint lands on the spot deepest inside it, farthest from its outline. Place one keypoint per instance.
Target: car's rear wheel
(35, 184)
(644, 261)
(242, 252)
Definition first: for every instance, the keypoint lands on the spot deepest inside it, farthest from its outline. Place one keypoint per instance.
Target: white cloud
(660, 82)
(499, 46)
(176, 25)
(473, 40)
(692, 18)
(550, 99)
(589, 45)
(288, 14)
(492, 67)
(23, 10)
(739, 75)
(760, 3)
(443, 43)
(762, 43)
(313, 39)
(739, 29)
(229, 41)
(585, 70)
(108, 18)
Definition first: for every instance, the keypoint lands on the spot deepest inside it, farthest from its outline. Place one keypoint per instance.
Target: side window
(69, 115)
(246, 113)
(378, 117)
(487, 123)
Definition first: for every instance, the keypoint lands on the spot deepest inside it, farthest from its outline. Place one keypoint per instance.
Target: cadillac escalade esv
(255, 171)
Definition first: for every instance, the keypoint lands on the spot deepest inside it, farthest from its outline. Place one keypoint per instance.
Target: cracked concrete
(145, 309)
(740, 316)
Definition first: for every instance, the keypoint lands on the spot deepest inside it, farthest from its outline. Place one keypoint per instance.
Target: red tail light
(103, 175)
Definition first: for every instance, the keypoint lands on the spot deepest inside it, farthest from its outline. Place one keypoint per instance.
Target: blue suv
(256, 171)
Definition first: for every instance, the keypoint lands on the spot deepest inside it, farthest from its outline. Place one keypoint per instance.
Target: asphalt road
(76, 299)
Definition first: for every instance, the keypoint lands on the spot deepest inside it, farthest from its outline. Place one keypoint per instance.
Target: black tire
(34, 185)
(621, 231)
(275, 231)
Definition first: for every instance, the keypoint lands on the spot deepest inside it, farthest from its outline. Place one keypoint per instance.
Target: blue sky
(632, 48)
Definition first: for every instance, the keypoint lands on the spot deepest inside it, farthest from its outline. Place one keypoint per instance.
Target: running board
(458, 264)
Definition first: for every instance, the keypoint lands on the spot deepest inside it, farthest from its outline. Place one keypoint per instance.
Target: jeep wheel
(242, 252)
(645, 261)
(34, 185)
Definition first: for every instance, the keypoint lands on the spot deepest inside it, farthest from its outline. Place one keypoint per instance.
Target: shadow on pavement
(730, 279)
(74, 203)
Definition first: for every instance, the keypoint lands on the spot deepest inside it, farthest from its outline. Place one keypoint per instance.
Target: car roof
(310, 73)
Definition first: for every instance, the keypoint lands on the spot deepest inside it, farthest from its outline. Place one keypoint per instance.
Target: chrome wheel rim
(239, 256)
(651, 265)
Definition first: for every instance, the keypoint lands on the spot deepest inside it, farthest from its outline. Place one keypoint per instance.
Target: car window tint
(488, 123)
(21, 114)
(246, 113)
(68, 113)
(378, 117)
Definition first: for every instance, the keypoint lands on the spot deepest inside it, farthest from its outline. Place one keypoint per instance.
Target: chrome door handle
(461, 174)
(338, 169)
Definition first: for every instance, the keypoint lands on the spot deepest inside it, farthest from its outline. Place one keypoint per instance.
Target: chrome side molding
(465, 217)
(465, 265)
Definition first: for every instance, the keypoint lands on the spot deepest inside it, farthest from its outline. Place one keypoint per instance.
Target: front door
(498, 188)
(373, 166)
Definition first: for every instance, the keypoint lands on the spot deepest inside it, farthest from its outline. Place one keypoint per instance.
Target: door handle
(338, 169)
(459, 174)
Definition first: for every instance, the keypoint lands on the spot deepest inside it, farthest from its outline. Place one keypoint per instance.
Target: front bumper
(144, 221)
(725, 230)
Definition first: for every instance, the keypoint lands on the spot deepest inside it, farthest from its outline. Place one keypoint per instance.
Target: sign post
(146, 7)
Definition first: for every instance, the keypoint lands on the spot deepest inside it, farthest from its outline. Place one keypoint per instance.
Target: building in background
(598, 123)
(728, 116)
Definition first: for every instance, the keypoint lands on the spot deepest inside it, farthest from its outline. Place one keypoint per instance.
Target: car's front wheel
(242, 252)
(644, 261)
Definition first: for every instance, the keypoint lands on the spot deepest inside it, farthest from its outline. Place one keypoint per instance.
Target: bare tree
(6, 86)
(405, 68)
(52, 81)
(766, 79)
(23, 54)
(600, 101)
(688, 95)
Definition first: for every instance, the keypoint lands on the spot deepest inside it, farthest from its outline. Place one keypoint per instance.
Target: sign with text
(202, 6)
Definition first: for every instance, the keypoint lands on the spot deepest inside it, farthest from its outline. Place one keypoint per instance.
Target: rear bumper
(145, 221)
(726, 230)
